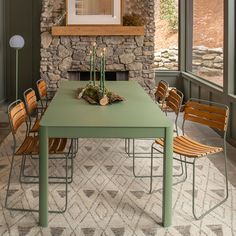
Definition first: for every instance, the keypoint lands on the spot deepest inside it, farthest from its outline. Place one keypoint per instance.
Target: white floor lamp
(17, 42)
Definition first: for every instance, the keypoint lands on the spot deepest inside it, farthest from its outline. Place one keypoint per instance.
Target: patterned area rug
(106, 199)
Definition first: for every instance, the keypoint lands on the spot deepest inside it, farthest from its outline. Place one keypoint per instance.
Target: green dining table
(138, 116)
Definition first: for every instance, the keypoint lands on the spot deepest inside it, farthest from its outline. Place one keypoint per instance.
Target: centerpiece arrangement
(95, 91)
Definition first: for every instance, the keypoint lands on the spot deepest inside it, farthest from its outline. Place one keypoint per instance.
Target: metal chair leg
(9, 182)
(150, 190)
(51, 178)
(128, 150)
(218, 204)
(22, 171)
(126, 145)
(35, 210)
(22, 168)
(76, 144)
(66, 190)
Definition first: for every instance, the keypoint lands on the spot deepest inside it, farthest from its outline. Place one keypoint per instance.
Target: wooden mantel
(97, 30)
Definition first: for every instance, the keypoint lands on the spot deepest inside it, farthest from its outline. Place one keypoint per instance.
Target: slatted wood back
(161, 91)
(210, 115)
(17, 115)
(174, 100)
(30, 100)
(42, 88)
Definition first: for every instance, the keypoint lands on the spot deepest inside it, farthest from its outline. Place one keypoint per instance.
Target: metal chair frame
(31, 110)
(14, 131)
(159, 98)
(44, 97)
(36, 110)
(146, 155)
(193, 163)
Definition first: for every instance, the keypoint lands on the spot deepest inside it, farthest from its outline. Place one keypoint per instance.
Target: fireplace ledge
(109, 30)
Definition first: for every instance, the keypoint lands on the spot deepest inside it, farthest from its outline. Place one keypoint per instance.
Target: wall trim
(162, 73)
(196, 79)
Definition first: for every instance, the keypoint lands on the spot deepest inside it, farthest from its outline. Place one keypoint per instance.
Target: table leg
(167, 180)
(43, 177)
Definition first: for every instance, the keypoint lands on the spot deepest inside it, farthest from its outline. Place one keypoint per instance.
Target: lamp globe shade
(17, 42)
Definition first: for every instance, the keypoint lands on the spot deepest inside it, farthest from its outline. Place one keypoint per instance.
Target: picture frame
(92, 14)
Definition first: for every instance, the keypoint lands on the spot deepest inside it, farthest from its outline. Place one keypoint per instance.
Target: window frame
(156, 70)
(229, 49)
(189, 46)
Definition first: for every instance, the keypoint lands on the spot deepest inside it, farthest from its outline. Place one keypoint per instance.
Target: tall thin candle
(94, 63)
(104, 68)
(91, 73)
(101, 71)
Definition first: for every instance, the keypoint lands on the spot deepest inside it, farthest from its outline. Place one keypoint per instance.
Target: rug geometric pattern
(106, 199)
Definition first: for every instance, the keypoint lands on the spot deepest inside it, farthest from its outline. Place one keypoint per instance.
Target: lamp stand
(17, 53)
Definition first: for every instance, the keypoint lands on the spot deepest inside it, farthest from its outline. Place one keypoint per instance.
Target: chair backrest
(207, 113)
(30, 100)
(42, 88)
(161, 91)
(174, 100)
(17, 115)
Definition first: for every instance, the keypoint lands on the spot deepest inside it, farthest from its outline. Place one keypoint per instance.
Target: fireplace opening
(110, 75)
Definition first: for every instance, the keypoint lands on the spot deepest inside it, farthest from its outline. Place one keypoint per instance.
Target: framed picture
(94, 12)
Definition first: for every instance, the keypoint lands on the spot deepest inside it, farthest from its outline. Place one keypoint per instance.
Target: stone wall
(124, 53)
(206, 61)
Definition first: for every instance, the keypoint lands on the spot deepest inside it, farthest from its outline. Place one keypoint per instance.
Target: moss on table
(94, 95)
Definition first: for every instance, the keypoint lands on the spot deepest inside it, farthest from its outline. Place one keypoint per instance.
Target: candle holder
(97, 94)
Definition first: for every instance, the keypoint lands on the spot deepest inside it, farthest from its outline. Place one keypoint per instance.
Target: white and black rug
(106, 199)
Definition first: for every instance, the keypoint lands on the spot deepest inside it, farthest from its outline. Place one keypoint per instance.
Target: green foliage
(169, 12)
(92, 92)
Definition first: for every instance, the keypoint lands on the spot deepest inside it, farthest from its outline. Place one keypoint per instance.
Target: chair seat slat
(183, 145)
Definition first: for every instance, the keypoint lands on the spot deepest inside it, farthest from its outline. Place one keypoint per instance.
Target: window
(208, 33)
(91, 7)
(91, 12)
(166, 35)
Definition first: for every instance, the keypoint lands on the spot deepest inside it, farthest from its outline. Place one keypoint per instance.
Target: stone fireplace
(133, 55)
(110, 75)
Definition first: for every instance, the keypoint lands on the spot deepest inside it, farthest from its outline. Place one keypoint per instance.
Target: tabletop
(138, 109)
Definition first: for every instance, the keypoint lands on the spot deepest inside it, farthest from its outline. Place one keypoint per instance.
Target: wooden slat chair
(161, 93)
(160, 97)
(45, 94)
(45, 97)
(173, 103)
(30, 146)
(42, 92)
(209, 114)
(32, 108)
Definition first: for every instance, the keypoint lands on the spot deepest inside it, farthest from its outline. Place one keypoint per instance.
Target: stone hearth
(110, 75)
(134, 54)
